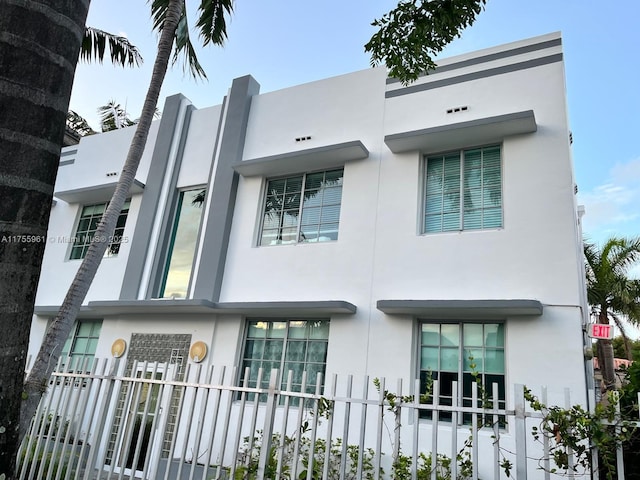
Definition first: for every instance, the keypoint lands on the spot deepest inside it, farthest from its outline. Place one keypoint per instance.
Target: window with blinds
(302, 208)
(463, 190)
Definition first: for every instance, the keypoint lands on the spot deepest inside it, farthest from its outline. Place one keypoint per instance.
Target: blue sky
(286, 42)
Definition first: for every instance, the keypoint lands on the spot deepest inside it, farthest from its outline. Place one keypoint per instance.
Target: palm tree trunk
(39, 46)
(606, 356)
(61, 325)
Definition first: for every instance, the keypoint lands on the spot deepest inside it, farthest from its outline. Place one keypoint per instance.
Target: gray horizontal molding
(95, 194)
(264, 309)
(462, 134)
(317, 158)
(556, 42)
(462, 309)
(63, 163)
(67, 153)
(52, 311)
(490, 72)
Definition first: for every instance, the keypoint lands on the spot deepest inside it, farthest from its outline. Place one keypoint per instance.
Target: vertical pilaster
(223, 187)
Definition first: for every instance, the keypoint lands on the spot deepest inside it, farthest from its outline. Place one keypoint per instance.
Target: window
(463, 190)
(81, 344)
(296, 345)
(87, 225)
(182, 247)
(459, 352)
(303, 208)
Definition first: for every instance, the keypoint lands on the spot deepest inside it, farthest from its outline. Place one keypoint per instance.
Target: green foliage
(415, 31)
(123, 52)
(401, 469)
(211, 26)
(114, 117)
(335, 460)
(621, 345)
(571, 431)
(50, 465)
(285, 446)
(78, 124)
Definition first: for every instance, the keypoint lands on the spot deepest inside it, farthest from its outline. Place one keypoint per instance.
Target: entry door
(144, 432)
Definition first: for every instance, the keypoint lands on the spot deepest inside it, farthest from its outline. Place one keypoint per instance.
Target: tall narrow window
(87, 226)
(463, 190)
(182, 246)
(303, 208)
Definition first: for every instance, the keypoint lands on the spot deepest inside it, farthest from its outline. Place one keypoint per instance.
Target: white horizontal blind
(471, 179)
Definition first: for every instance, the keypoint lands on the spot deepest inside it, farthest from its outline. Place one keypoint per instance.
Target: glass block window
(81, 344)
(462, 352)
(286, 345)
(87, 226)
(302, 208)
(463, 190)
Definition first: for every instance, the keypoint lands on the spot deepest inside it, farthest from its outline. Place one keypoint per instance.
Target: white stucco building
(351, 225)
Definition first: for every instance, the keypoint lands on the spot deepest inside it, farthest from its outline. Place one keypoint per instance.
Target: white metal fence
(142, 423)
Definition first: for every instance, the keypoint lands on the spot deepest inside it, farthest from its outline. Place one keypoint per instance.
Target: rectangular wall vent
(457, 109)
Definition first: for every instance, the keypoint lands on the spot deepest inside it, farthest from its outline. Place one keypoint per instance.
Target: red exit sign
(600, 330)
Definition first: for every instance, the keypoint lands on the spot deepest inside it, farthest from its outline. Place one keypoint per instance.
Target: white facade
(383, 277)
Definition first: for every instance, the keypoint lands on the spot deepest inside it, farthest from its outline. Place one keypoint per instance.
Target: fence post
(619, 452)
(521, 433)
(267, 432)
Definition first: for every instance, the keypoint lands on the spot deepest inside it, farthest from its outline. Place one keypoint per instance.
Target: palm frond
(183, 47)
(113, 117)
(122, 52)
(211, 24)
(212, 20)
(609, 289)
(78, 124)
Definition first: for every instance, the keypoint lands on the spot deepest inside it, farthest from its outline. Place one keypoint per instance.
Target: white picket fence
(144, 422)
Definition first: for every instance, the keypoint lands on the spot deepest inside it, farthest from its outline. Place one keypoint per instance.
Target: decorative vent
(457, 109)
(303, 139)
(112, 174)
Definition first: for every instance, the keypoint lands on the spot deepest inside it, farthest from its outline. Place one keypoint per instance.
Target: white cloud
(613, 207)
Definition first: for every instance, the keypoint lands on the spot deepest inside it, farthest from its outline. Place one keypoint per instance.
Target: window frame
(299, 226)
(79, 360)
(87, 234)
(461, 213)
(462, 400)
(175, 224)
(284, 360)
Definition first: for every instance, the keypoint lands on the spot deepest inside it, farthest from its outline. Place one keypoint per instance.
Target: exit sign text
(600, 330)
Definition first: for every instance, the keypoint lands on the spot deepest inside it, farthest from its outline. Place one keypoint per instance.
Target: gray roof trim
(490, 72)
(317, 308)
(556, 42)
(316, 158)
(96, 193)
(462, 309)
(462, 134)
(62, 163)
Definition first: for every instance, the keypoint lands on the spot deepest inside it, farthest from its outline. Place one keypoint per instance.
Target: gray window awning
(463, 134)
(462, 309)
(95, 194)
(324, 157)
(315, 308)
